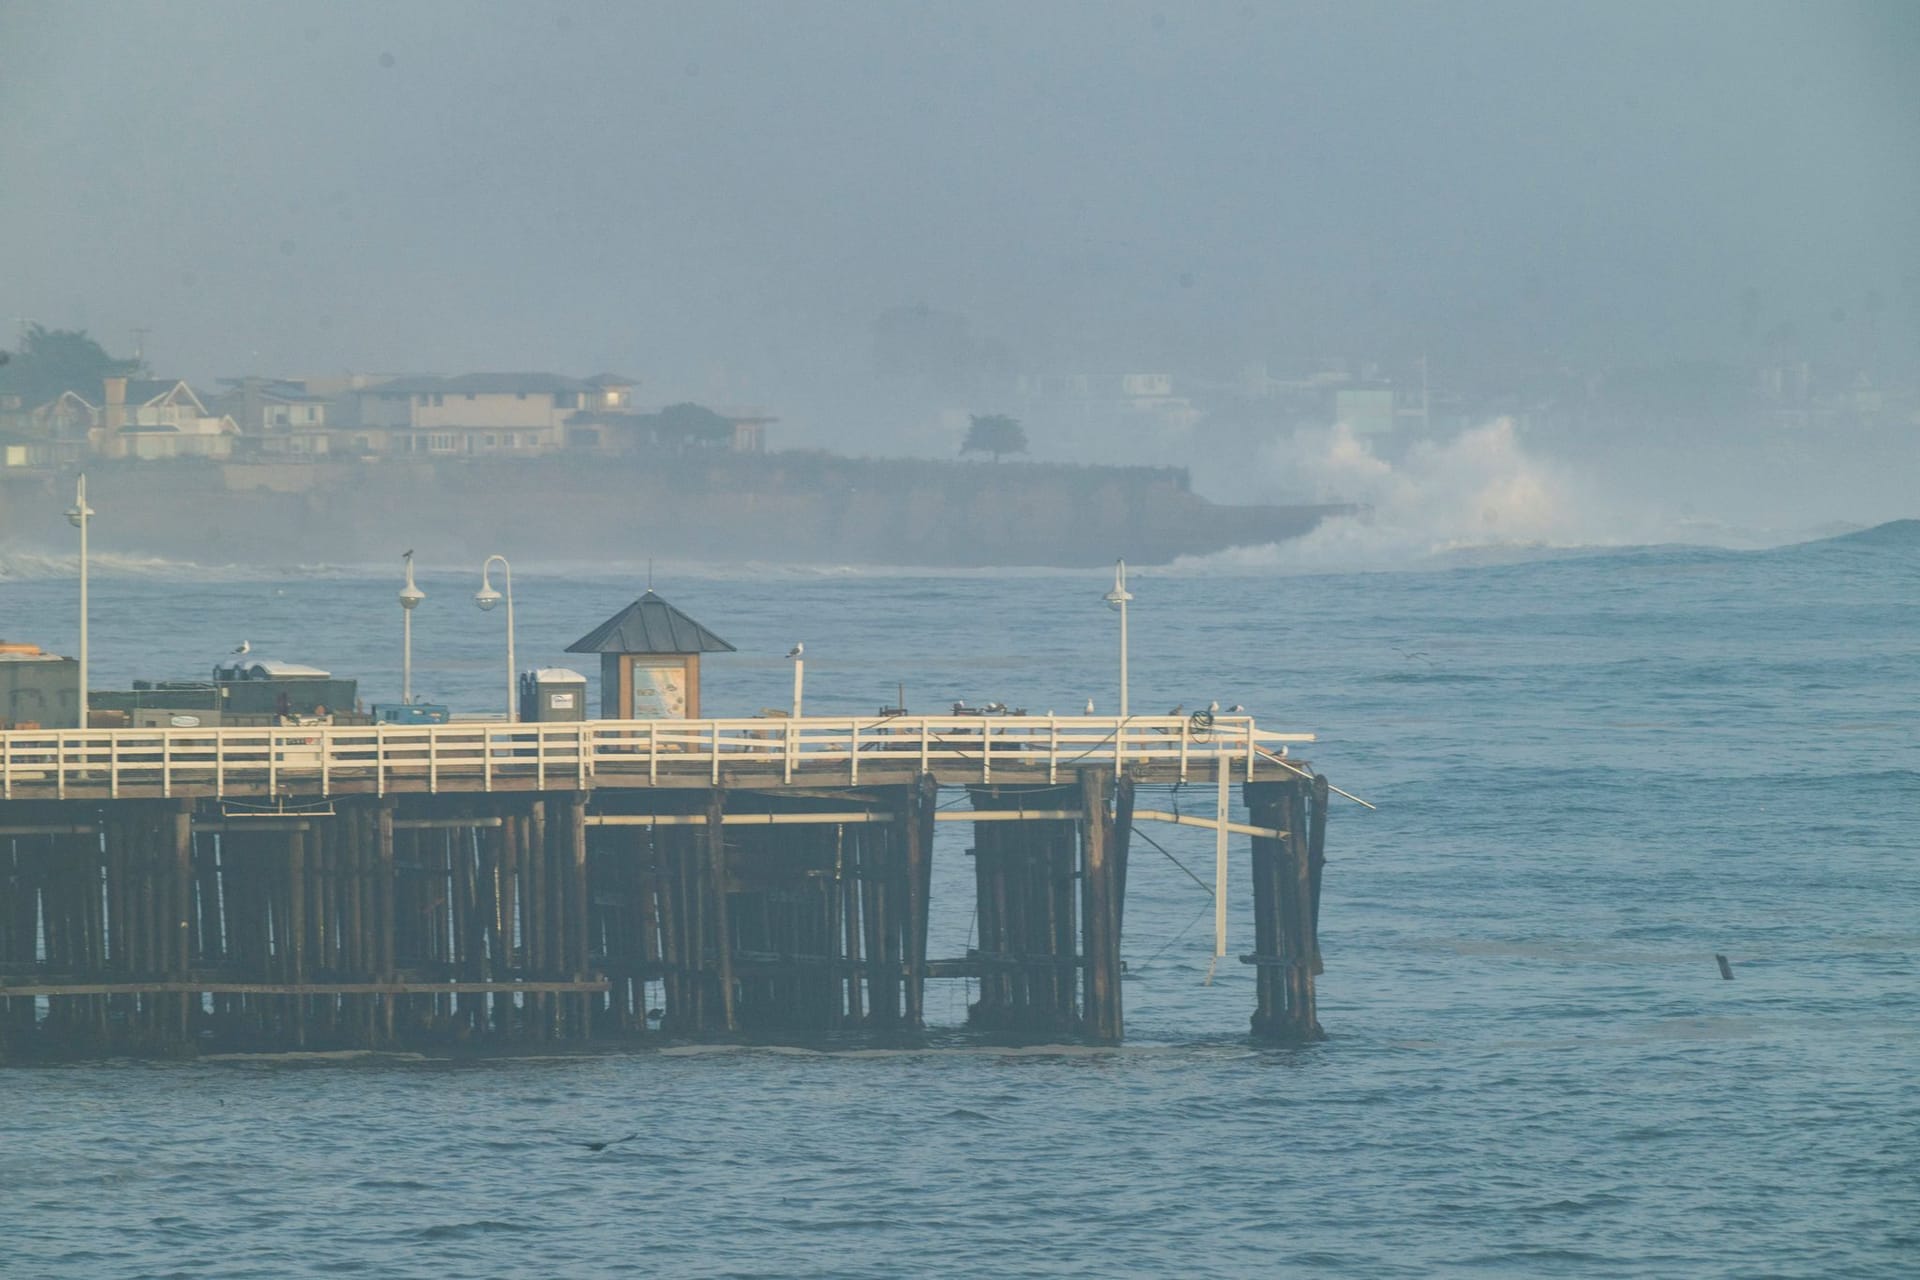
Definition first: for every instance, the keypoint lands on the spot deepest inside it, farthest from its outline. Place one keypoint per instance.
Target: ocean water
(1594, 771)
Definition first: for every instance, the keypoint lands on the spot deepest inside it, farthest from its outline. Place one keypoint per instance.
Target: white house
(153, 418)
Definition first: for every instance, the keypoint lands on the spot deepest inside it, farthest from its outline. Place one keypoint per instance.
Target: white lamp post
(78, 515)
(410, 598)
(486, 597)
(799, 655)
(1117, 599)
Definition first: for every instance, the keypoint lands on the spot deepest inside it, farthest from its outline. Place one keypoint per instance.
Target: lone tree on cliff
(995, 433)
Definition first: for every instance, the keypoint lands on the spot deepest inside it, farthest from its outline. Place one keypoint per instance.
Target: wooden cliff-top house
(650, 661)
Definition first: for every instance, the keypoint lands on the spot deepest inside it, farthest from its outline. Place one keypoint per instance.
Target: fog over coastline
(868, 220)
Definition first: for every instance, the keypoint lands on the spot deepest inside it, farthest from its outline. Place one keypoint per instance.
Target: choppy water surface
(1594, 773)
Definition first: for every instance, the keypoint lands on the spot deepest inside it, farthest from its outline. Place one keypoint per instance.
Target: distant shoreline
(775, 507)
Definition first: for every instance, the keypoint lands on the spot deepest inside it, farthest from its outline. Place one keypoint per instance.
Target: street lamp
(799, 655)
(486, 597)
(1117, 599)
(410, 598)
(78, 515)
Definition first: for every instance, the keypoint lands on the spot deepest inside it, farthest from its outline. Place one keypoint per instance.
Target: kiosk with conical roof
(650, 661)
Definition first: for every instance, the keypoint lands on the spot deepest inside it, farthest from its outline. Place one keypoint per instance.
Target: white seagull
(242, 648)
(1089, 706)
(799, 650)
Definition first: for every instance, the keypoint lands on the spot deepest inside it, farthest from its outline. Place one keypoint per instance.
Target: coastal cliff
(793, 507)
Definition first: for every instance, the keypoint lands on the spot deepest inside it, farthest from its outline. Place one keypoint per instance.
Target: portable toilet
(650, 661)
(552, 694)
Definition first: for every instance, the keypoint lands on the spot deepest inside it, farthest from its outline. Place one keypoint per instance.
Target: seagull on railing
(1089, 710)
(1236, 710)
(1213, 708)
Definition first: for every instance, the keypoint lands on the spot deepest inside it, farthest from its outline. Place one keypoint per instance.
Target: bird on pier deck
(602, 1146)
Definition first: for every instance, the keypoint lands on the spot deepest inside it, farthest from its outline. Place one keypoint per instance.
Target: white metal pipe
(86, 704)
(736, 819)
(513, 701)
(1223, 770)
(1118, 598)
(852, 818)
(1192, 820)
(485, 598)
(1006, 815)
(410, 598)
(83, 514)
(1287, 764)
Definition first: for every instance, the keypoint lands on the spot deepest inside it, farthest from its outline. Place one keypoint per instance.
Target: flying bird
(602, 1146)
(798, 650)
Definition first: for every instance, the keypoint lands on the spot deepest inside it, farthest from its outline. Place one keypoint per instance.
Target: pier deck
(163, 889)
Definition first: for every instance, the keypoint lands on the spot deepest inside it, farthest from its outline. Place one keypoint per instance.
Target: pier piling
(463, 884)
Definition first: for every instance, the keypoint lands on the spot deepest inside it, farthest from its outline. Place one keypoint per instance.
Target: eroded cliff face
(802, 508)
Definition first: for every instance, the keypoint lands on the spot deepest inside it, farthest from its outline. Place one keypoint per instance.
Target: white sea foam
(1484, 494)
(32, 565)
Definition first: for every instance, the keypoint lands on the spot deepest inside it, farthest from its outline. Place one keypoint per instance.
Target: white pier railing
(483, 755)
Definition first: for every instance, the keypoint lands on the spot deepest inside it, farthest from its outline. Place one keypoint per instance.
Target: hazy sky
(691, 192)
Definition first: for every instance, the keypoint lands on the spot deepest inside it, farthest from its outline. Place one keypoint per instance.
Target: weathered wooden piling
(1036, 928)
(1286, 871)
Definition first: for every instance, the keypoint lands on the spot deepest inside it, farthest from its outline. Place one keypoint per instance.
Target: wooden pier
(163, 890)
